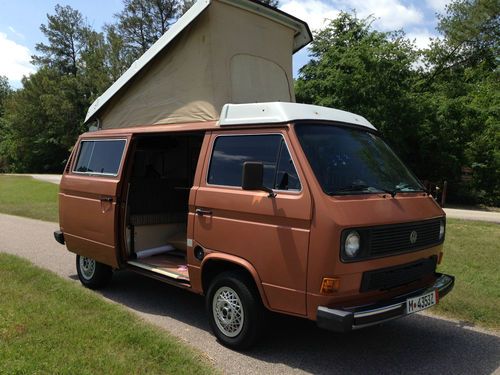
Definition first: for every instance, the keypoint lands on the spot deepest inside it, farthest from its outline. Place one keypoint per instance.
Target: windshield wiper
(359, 187)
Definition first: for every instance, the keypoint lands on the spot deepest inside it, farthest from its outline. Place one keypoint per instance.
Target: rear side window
(100, 157)
(231, 152)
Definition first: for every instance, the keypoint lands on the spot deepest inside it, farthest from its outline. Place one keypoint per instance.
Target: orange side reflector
(440, 257)
(330, 285)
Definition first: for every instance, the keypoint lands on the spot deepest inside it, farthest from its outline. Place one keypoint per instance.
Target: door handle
(203, 212)
(106, 204)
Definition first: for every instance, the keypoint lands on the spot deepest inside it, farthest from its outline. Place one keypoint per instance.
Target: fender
(242, 263)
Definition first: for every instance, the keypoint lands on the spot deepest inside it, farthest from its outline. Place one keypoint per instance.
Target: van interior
(161, 178)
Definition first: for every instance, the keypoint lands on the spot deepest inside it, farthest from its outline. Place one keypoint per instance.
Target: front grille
(393, 239)
(396, 238)
(388, 278)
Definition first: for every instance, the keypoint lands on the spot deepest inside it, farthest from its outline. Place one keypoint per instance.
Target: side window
(231, 152)
(100, 157)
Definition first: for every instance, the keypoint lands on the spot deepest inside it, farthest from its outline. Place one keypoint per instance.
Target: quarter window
(231, 152)
(100, 157)
(286, 175)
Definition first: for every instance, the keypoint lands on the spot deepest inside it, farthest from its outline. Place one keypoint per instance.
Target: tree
(65, 31)
(5, 91)
(462, 82)
(44, 118)
(74, 48)
(143, 22)
(471, 35)
(117, 57)
(95, 74)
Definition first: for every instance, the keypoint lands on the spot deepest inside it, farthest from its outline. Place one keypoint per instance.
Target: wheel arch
(214, 264)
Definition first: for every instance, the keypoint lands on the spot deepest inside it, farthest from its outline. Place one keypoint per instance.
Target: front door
(271, 233)
(89, 198)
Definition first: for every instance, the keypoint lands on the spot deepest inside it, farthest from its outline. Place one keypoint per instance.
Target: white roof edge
(281, 112)
(302, 38)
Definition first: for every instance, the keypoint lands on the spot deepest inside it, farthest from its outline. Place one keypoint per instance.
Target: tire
(235, 328)
(92, 274)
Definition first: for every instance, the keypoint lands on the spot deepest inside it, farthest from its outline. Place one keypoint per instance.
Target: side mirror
(253, 177)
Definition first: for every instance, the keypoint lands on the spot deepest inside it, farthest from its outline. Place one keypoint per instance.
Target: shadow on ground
(416, 344)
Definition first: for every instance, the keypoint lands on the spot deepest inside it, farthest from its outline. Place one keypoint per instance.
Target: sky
(20, 22)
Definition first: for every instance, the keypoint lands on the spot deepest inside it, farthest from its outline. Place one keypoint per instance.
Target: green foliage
(117, 58)
(95, 75)
(43, 121)
(5, 92)
(463, 89)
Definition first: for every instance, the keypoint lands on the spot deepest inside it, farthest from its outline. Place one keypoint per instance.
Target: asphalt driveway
(415, 345)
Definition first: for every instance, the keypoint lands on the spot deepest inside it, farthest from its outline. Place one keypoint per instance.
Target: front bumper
(363, 316)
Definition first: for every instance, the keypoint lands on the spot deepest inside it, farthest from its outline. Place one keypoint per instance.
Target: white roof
(280, 112)
(302, 38)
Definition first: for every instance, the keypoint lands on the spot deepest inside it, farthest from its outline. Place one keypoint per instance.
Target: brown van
(292, 208)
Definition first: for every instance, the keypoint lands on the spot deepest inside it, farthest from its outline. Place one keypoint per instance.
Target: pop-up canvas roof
(220, 51)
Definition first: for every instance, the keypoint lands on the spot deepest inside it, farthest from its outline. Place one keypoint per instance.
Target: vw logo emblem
(413, 237)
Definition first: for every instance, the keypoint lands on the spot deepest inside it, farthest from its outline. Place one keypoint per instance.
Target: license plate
(421, 302)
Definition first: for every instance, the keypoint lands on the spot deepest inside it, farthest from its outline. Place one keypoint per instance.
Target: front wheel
(92, 274)
(234, 310)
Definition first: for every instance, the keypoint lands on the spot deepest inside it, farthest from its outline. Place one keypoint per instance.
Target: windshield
(352, 161)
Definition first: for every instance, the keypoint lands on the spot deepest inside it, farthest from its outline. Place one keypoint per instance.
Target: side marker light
(330, 285)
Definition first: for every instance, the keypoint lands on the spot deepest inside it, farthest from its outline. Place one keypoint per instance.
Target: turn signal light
(330, 285)
(440, 257)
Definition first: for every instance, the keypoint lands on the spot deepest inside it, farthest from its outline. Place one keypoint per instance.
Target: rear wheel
(235, 310)
(92, 274)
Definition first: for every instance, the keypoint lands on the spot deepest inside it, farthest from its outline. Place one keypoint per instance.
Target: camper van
(258, 205)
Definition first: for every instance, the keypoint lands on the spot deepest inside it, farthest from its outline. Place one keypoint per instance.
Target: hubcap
(228, 311)
(87, 267)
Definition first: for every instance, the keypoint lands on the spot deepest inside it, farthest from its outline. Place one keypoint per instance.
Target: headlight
(441, 230)
(352, 244)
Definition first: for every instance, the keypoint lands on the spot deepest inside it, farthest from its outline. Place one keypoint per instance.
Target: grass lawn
(49, 325)
(472, 255)
(25, 196)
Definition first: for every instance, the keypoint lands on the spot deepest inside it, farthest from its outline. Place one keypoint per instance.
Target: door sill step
(156, 270)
